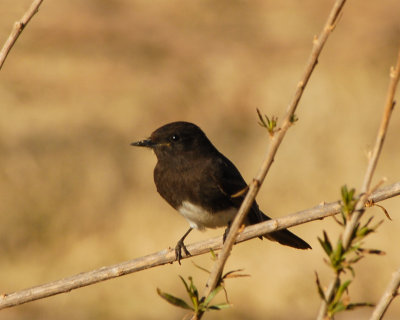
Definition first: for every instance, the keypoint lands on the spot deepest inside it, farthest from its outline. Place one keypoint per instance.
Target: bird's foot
(225, 235)
(226, 232)
(178, 251)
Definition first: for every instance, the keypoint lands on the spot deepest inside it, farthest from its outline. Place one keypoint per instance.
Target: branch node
(257, 183)
(392, 72)
(21, 25)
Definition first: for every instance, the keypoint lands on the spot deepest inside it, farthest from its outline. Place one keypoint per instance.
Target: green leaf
(344, 193)
(293, 118)
(351, 270)
(351, 194)
(193, 287)
(320, 290)
(348, 200)
(372, 251)
(194, 294)
(363, 232)
(342, 288)
(174, 300)
(234, 274)
(337, 307)
(355, 259)
(186, 285)
(337, 256)
(377, 225)
(322, 243)
(269, 124)
(219, 306)
(326, 244)
(213, 255)
(354, 232)
(201, 268)
(368, 222)
(352, 306)
(340, 222)
(212, 295)
(260, 117)
(343, 214)
(354, 248)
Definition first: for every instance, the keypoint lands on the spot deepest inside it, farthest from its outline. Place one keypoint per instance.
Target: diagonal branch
(366, 187)
(168, 255)
(390, 293)
(17, 29)
(273, 147)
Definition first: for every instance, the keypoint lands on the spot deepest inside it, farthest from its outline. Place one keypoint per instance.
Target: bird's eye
(174, 137)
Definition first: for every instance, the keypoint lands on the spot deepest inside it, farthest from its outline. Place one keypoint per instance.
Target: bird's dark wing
(232, 184)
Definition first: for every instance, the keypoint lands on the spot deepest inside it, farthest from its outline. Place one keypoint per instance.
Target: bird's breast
(200, 218)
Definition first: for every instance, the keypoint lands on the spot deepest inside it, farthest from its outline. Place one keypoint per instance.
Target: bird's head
(176, 138)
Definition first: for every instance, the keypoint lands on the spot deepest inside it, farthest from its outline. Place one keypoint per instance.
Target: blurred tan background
(86, 78)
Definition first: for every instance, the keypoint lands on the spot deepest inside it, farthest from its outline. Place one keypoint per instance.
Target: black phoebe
(201, 183)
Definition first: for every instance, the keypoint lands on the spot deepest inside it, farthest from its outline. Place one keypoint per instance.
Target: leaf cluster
(198, 304)
(340, 301)
(342, 259)
(266, 122)
(348, 204)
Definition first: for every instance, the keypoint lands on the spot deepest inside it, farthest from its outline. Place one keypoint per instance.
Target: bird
(203, 185)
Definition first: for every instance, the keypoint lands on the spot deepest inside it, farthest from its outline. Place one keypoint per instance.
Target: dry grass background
(88, 77)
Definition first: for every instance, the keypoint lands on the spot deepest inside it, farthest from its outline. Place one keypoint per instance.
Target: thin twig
(390, 293)
(168, 255)
(273, 147)
(360, 206)
(17, 29)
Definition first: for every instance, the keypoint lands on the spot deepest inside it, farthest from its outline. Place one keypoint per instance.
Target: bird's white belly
(199, 218)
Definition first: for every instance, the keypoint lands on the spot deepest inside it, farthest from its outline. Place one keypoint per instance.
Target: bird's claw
(178, 251)
(226, 233)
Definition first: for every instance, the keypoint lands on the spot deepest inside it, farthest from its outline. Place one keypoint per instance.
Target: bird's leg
(226, 232)
(180, 245)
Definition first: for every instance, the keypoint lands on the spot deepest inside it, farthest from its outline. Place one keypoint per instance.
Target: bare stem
(390, 293)
(168, 255)
(17, 29)
(360, 206)
(276, 140)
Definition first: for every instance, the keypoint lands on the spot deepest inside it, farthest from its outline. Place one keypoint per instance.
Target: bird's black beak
(143, 143)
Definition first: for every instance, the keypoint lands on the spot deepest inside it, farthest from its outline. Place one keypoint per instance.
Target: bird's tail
(287, 238)
(284, 236)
